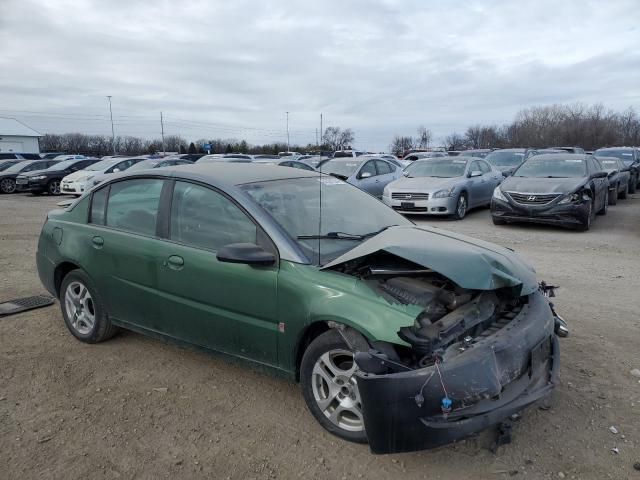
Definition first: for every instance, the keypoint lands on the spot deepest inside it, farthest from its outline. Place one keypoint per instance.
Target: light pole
(288, 147)
(113, 135)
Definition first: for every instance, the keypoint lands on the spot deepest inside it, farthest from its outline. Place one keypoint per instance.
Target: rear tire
(329, 387)
(83, 311)
(605, 205)
(53, 187)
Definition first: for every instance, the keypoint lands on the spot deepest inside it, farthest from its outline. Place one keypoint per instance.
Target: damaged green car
(401, 336)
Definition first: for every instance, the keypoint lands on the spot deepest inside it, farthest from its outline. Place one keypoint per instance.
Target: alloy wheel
(80, 308)
(54, 187)
(7, 185)
(335, 390)
(461, 208)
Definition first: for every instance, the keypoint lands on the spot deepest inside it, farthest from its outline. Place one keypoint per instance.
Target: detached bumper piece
(470, 389)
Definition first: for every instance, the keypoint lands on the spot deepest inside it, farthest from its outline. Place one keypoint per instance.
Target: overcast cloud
(232, 68)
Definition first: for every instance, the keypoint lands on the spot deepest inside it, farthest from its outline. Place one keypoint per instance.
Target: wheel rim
(54, 187)
(335, 390)
(462, 206)
(7, 185)
(80, 308)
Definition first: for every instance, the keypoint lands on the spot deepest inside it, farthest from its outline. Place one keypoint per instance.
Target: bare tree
(424, 137)
(455, 141)
(401, 144)
(337, 139)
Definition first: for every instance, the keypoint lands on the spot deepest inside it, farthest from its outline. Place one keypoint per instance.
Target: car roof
(561, 156)
(236, 173)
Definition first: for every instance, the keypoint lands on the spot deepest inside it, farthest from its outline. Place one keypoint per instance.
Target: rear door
(229, 307)
(491, 179)
(477, 185)
(124, 247)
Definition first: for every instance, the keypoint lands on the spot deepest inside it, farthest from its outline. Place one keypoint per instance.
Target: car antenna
(320, 195)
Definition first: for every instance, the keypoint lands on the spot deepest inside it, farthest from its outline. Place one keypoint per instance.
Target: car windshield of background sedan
(143, 165)
(552, 168)
(505, 159)
(62, 165)
(294, 205)
(436, 168)
(343, 168)
(622, 154)
(609, 164)
(102, 165)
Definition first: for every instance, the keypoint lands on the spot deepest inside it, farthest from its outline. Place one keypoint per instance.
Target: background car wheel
(461, 206)
(498, 221)
(586, 224)
(7, 185)
(53, 187)
(605, 205)
(632, 185)
(330, 389)
(623, 195)
(613, 195)
(83, 310)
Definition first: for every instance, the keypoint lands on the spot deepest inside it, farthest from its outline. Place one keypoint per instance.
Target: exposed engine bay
(452, 318)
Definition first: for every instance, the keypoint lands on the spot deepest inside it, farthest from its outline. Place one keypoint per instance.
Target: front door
(229, 307)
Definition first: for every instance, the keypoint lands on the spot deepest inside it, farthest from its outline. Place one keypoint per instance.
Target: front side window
(484, 168)
(204, 218)
(368, 170)
(133, 205)
(383, 167)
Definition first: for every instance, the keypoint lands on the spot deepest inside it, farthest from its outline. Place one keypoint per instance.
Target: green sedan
(401, 336)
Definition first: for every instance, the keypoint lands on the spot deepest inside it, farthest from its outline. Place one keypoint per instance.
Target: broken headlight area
(472, 358)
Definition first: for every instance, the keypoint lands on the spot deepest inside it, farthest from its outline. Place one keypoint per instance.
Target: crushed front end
(471, 359)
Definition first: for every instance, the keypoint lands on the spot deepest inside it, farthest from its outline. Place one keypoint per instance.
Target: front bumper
(31, 185)
(433, 206)
(493, 379)
(74, 188)
(570, 214)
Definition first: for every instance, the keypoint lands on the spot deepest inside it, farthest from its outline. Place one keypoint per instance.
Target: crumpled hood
(468, 262)
(423, 184)
(542, 185)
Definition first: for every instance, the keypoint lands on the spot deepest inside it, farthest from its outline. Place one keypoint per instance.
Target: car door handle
(377, 181)
(98, 242)
(174, 262)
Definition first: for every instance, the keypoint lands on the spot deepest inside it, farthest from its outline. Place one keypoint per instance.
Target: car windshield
(436, 168)
(505, 159)
(295, 205)
(144, 165)
(102, 165)
(343, 168)
(552, 167)
(62, 165)
(626, 155)
(17, 167)
(5, 165)
(609, 164)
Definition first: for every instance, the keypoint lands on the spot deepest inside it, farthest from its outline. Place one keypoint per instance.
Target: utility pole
(288, 147)
(162, 130)
(317, 137)
(321, 134)
(113, 135)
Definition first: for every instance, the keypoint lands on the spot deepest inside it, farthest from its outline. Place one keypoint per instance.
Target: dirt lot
(139, 408)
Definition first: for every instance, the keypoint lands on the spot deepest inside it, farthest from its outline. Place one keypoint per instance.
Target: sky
(232, 69)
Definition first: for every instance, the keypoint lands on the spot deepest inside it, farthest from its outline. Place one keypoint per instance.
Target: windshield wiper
(344, 235)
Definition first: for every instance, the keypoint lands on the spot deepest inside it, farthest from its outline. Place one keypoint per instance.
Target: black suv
(48, 180)
(631, 158)
(8, 176)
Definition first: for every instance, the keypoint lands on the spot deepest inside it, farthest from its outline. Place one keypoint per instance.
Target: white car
(83, 180)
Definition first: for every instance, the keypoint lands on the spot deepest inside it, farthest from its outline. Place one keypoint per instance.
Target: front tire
(53, 187)
(7, 185)
(83, 311)
(586, 224)
(632, 184)
(498, 221)
(613, 195)
(605, 205)
(329, 387)
(461, 206)
(623, 195)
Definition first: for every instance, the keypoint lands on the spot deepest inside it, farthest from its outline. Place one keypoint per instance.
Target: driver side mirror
(365, 175)
(475, 173)
(116, 170)
(247, 253)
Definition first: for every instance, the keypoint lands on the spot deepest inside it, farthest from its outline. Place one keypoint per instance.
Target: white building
(16, 137)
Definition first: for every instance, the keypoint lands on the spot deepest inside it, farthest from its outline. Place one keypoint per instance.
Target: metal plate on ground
(22, 304)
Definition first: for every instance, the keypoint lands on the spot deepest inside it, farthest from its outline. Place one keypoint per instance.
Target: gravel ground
(135, 407)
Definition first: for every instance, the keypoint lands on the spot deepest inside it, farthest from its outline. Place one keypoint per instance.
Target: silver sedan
(443, 186)
(370, 174)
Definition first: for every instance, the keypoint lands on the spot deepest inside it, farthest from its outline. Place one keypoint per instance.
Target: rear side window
(5, 156)
(98, 204)
(204, 218)
(133, 205)
(383, 167)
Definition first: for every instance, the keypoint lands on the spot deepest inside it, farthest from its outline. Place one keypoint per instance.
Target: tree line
(334, 138)
(587, 126)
